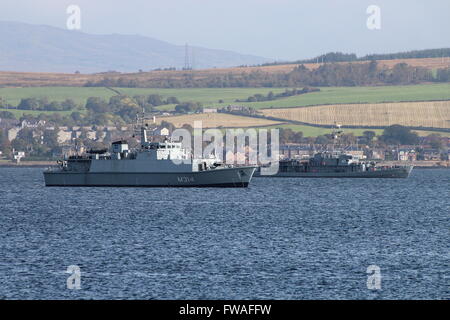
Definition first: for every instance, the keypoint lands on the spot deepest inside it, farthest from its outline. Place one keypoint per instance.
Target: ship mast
(139, 128)
(143, 131)
(336, 133)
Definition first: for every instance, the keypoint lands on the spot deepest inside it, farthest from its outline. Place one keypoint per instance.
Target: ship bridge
(165, 150)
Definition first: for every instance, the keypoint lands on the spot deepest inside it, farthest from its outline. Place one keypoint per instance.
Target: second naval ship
(154, 164)
(337, 165)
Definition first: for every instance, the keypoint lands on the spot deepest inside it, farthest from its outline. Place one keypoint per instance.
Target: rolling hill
(46, 79)
(39, 48)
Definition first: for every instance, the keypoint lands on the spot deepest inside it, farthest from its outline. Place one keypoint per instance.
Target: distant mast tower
(187, 64)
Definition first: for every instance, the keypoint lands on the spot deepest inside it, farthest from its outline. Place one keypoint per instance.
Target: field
(361, 105)
(26, 79)
(80, 94)
(432, 63)
(310, 131)
(336, 95)
(211, 96)
(216, 120)
(415, 114)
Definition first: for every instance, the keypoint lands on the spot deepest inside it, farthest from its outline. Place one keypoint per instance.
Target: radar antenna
(336, 134)
(140, 126)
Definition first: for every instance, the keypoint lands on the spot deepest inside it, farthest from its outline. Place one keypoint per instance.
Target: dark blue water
(278, 239)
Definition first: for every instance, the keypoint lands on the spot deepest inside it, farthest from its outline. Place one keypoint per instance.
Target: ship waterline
(226, 177)
(402, 172)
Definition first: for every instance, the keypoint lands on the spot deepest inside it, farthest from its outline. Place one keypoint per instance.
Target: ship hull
(402, 172)
(223, 178)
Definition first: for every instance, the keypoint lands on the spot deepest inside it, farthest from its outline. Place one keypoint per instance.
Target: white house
(64, 136)
(161, 132)
(17, 155)
(29, 124)
(12, 133)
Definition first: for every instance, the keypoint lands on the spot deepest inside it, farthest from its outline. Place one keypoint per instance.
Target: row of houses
(65, 134)
(68, 134)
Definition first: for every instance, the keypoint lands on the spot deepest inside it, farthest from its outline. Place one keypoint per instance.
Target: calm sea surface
(278, 239)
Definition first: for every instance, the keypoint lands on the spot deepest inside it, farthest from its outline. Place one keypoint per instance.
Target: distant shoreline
(45, 164)
(27, 164)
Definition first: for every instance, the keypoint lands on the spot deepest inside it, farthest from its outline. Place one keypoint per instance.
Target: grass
(78, 94)
(327, 95)
(310, 131)
(207, 96)
(19, 113)
(338, 95)
(211, 96)
(423, 133)
(216, 120)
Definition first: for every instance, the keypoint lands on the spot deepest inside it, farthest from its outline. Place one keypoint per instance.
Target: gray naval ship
(337, 165)
(154, 164)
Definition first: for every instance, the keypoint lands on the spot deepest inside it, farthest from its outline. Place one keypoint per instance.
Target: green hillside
(211, 96)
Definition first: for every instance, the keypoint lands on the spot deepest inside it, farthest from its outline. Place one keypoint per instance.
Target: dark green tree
(368, 136)
(172, 100)
(5, 145)
(7, 115)
(155, 100)
(51, 138)
(96, 105)
(68, 105)
(323, 140)
(398, 134)
(435, 141)
(29, 104)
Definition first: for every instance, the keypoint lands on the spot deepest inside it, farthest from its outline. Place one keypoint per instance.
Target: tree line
(272, 96)
(330, 74)
(115, 111)
(351, 57)
(41, 104)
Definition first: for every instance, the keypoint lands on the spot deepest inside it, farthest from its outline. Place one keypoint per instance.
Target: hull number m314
(185, 179)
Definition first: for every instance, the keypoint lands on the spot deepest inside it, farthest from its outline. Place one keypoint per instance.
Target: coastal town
(30, 143)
